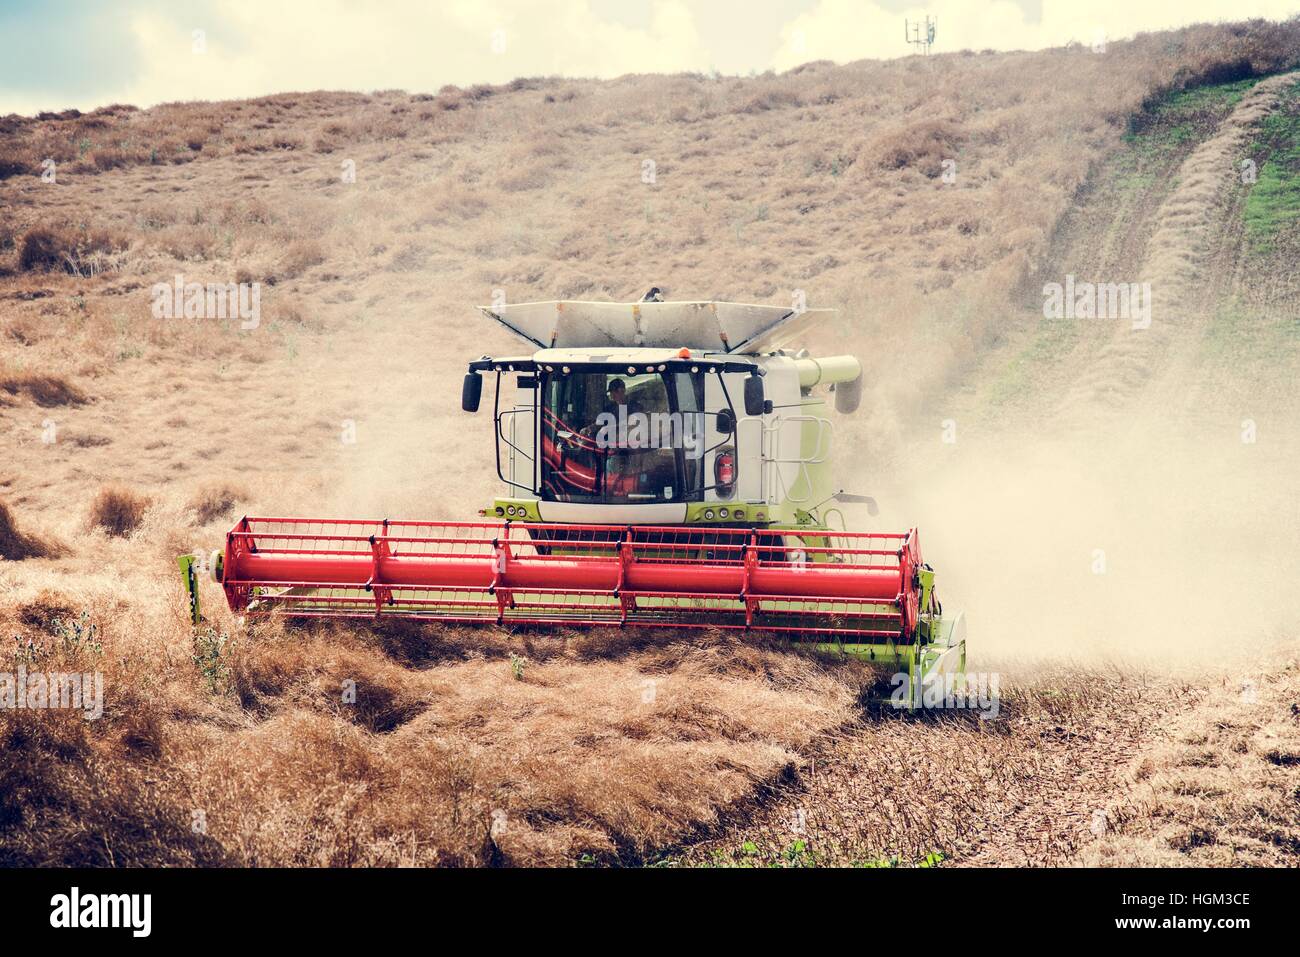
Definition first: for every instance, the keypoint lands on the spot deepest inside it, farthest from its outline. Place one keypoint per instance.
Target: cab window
(616, 438)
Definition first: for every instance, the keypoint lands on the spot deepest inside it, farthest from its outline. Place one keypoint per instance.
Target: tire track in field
(1185, 264)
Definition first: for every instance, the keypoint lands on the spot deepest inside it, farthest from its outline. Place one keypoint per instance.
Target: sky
(57, 54)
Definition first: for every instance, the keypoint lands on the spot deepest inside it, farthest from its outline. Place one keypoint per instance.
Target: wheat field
(373, 223)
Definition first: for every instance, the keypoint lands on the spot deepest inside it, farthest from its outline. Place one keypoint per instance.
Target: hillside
(131, 439)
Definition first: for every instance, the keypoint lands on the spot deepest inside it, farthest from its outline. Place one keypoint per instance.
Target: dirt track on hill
(1189, 263)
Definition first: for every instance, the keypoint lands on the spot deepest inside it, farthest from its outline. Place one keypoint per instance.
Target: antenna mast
(921, 34)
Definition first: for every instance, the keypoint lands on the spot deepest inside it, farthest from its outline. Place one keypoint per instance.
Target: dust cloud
(1170, 546)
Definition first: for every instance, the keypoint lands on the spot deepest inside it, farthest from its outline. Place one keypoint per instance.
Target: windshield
(614, 438)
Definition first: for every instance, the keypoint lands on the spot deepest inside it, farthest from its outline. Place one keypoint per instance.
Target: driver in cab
(617, 397)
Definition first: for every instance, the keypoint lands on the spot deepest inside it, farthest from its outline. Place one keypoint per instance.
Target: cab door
(523, 434)
(738, 455)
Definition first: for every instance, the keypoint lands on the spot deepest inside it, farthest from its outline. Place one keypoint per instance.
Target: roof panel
(573, 324)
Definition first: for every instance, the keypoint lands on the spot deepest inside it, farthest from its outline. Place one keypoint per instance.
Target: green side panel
(513, 509)
(191, 579)
(940, 650)
(738, 511)
(697, 513)
(926, 577)
(885, 654)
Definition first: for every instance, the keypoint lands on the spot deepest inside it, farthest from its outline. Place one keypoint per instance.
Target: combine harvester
(666, 465)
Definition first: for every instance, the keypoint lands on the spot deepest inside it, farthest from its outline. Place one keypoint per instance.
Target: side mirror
(471, 392)
(726, 422)
(754, 396)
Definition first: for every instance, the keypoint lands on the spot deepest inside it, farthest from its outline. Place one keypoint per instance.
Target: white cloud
(261, 47)
(844, 30)
(257, 47)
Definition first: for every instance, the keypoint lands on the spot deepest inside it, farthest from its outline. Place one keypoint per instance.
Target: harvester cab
(663, 465)
(705, 422)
